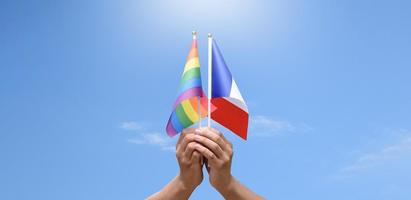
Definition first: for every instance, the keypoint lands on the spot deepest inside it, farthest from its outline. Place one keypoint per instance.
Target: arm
(236, 190)
(191, 173)
(219, 153)
(173, 190)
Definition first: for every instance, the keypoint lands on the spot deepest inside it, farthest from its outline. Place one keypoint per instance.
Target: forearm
(173, 190)
(236, 190)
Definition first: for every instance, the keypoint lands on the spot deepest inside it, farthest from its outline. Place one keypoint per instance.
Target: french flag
(230, 108)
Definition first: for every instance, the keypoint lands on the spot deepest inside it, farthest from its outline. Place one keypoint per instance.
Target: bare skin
(191, 174)
(219, 154)
(194, 145)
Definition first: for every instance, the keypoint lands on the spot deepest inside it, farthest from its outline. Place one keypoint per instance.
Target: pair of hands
(208, 146)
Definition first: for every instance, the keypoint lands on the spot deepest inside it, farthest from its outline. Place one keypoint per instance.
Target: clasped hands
(209, 147)
(204, 146)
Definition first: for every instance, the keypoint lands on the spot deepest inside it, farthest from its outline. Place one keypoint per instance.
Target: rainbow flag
(186, 107)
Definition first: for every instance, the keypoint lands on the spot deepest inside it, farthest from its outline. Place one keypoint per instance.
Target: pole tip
(210, 35)
(194, 33)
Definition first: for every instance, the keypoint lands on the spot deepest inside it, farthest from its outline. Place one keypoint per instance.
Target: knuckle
(199, 139)
(188, 137)
(210, 156)
(220, 140)
(214, 146)
(213, 137)
(191, 145)
(201, 151)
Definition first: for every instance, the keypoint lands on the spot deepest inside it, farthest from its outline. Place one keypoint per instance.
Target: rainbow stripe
(185, 109)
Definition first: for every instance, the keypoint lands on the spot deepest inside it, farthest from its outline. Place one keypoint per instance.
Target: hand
(191, 174)
(219, 153)
(190, 161)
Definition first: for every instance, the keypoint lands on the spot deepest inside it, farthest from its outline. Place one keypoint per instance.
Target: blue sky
(87, 86)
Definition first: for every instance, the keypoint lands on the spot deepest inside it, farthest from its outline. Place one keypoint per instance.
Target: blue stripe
(176, 122)
(194, 82)
(221, 76)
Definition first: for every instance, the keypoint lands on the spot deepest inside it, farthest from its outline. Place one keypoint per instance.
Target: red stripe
(230, 116)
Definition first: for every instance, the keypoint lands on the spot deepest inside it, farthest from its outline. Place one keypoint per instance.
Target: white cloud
(265, 126)
(154, 139)
(131, 126)
(145, 137)
(387, 154)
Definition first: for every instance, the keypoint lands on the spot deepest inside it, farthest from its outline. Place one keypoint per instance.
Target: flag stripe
(170, 129)
(183, 118)
(192, 73)
(230, 116)
(192, 83)
(221, 81)
(203, 105)
(192, 63)
(196, 91)
(176, 122)
(189, 110)
(193, 51)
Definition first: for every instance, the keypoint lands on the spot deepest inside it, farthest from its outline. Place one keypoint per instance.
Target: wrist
(227, 187)
(183, 185)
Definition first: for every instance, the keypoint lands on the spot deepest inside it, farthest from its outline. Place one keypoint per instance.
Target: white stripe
(238, 103)
(236, 97)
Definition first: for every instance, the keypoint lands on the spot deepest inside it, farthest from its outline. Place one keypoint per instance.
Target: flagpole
(194, 34)
(210, 43)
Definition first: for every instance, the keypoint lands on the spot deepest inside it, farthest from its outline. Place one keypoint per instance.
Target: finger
(216, 137)
(229, 145)
(214, 147)
(187, 138)
(184, 133)
(205, 152)
(189, 150)
(207, 165)
(201, 159)
(218, 133)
